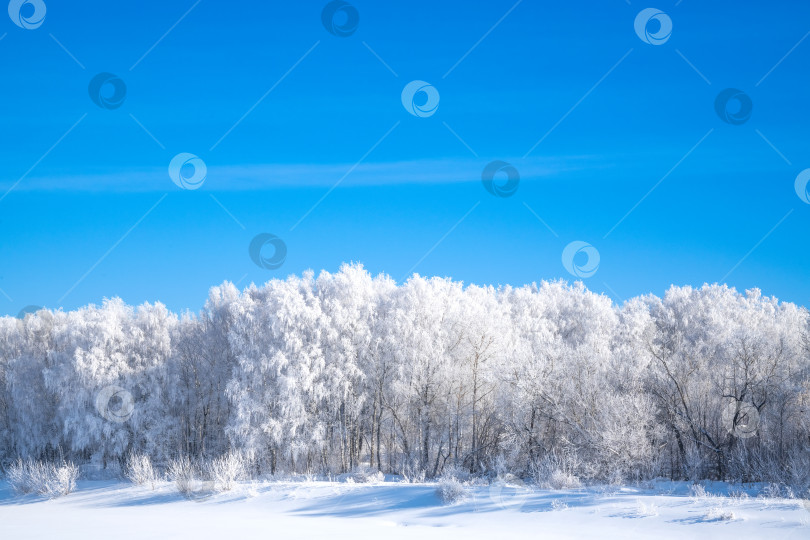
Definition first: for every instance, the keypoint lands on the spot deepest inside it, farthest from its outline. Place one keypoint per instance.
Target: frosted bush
(182, 473)
(645, 510)
(698, 492)
(719, 514)
(450, 491)
(43, 478)
(460, 473)
(738, 495)
(66, 476)
(203, 478)
(563, 480)
(224, 471)
(557, 471)
(772, 491)
(557, 504)
(310, 477)
(139, 470)
(364, 475)
(413, 474)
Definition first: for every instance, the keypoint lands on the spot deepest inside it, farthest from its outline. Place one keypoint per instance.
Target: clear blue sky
(616, 115)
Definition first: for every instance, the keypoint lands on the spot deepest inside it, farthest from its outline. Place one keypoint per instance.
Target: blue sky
(616, 140)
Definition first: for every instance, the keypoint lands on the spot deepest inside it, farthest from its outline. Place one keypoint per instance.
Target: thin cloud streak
(271, 176)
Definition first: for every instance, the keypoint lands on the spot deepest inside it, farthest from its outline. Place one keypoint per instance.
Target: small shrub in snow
(65, 477)
(224, 471)
(738, 496)
(557, 471)
(43, 478)
(140, 471)
(459, 473)
(563, 480)
(364, 475)
(699, 492)
(202, 479)
(771, 491)
(645, 510)
(450, 491)
(719, 514)
(182, 473)
(310, 477)
(557, 504)
(413, 475)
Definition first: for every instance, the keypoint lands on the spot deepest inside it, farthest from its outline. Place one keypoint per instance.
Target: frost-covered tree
(345, 370)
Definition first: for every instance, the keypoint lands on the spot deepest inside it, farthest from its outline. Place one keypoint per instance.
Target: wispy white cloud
(281, 175)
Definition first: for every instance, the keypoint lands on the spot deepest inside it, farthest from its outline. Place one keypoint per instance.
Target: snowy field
(104, 509)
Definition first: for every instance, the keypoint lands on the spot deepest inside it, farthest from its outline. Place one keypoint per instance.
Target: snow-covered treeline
(345, 370)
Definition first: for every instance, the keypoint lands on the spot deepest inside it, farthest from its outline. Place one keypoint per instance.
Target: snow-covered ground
(105, 509)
